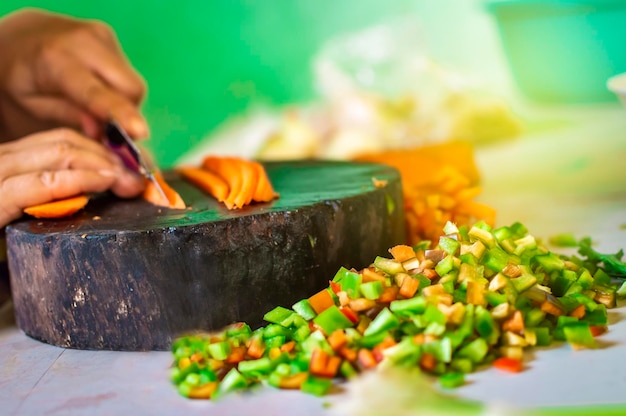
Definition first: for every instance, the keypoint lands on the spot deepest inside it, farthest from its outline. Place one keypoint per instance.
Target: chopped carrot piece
(332, 366)
(152, 194)
(335, 287)
(58, 209)
(288, 346)
(209, 182)
(578, 312)
(370, 275)
(204, 391)
(402, 252)
(390, 293)
(428, 361)
(237, 355)
(319, 362)
(196, 358)
(430, 274)
(366, 359)
(551, 308)
(348, 353)
(321, 301)
(597, 330)
(515, 323)
(337, 339)
(508, 364)
(294, 381)
(409, 287)
(256, 348)
(382, 346)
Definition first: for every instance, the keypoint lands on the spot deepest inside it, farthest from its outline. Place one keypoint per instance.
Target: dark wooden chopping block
(127, 275)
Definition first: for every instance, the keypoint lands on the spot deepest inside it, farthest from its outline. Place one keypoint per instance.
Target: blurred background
(206, 62)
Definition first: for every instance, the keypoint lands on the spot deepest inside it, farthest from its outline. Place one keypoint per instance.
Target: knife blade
(120, 142)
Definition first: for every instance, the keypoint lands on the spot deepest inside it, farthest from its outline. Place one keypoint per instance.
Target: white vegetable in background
(379, 90)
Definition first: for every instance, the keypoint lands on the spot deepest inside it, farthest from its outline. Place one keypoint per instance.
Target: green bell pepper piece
(388, 266)
(485, 325)
(463, 365)
(304, 309)
(371, 290)
(233, 380)
(441, 349)
(497, 259)
(474, 350)
(445, 266)
(219, 350)
(550, 262)
(562, 282)
(332, 319)
(449, 245)
(579, 335)
(408, 307)
(524, 282)
(253, 368)
(384, 321)
(597, 316)
(316, 386)
(278, 315)
(451, 380)
(350, 284)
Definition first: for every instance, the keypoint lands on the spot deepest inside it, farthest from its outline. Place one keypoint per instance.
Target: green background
(206, 60)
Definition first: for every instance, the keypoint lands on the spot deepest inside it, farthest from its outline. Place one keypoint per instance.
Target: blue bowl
(563, 50)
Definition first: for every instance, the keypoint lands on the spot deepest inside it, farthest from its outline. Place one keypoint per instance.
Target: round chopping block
(127, 275)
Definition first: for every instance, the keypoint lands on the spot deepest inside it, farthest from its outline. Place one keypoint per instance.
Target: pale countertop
(568, 174)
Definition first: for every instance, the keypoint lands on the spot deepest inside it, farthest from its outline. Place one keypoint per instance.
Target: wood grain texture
(126, 275)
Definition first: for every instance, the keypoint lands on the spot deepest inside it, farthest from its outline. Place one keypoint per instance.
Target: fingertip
(138, 128)
(128, 184)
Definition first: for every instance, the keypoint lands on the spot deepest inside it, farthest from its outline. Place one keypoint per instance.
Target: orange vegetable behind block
(58, 209)
(439, 183)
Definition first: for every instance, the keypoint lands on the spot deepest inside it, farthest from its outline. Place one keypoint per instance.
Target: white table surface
(567, 176)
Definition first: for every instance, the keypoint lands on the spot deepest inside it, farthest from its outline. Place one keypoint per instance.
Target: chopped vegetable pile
(478, 296)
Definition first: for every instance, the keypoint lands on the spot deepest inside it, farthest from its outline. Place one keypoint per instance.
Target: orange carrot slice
(205, 180)
(249, 181)
(152, 194)
(229, 172)
(508, 364)
(58, 209)
(264, 191)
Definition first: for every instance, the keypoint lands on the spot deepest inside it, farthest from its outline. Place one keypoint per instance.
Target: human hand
(58, 164)
(60, 71)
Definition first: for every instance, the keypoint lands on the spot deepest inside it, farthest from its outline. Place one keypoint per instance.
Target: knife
(120, 142)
